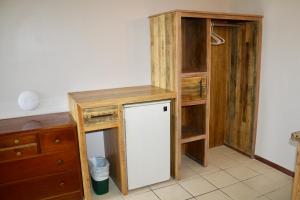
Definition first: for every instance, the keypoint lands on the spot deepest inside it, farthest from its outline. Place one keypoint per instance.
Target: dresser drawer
(38, 166)
(58, 140)
(13, 153)
(17, 140)
(78, 195)
(41, 188)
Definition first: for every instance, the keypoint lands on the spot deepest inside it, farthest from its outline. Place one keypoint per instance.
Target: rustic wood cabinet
(217, 86)
(39, 158)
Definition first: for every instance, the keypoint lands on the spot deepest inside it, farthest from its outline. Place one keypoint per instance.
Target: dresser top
(119, 96)
(38, 122)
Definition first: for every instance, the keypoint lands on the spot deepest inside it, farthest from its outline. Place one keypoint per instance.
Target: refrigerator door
(147, 128)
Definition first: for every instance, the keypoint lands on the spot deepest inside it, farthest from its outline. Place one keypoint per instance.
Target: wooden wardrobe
(217, 86)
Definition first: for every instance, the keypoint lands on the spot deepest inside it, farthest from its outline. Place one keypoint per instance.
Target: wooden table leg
(86, 180)
(296, 186)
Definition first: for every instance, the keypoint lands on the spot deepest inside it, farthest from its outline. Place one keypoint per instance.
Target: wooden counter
(103, 110)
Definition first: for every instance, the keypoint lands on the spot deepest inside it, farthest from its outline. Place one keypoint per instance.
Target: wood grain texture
(194, 45)
(19, 152)
(114, 157)
(58, 140)
(196, 31)
(163, 51)
(39, 188)
(35, 123)
(77, 195)
(220, 63)
(165, 34)
(232, 72)
(194, 90)
(235, 85)
(196, 150)
(37, 166)
(100, 118)
(86, 180)
(117, 96)
(37, 149)
(18, 139)
(193, 120)
(208, 103)
(242, 88)
(296, 184)
(259, 26)
(213, 15)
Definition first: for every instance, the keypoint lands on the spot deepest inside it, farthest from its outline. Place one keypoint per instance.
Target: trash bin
(99, 169)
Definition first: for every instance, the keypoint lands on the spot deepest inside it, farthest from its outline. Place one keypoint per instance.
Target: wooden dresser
(39, 158)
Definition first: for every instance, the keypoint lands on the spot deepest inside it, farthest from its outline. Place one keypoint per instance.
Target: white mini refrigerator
(147, 129)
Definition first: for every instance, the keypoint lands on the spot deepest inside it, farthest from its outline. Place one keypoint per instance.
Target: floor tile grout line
(155, 194)
(176, 182)
(185, 190)
(263, 194)
(221, 187)
(226, 194)
(189, 165)
(206, 193)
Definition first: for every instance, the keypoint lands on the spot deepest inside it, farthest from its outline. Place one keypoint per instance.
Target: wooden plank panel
(220, 63)
(243, 89)
(194, 45)
(194, 88)
(296, 184)
(164, 32)
(115, 154)
(196, 151)
(213, 15)
(86, 180)
(163, 51)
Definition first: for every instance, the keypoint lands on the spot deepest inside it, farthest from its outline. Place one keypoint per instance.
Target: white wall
(54, 47)
(279, 110)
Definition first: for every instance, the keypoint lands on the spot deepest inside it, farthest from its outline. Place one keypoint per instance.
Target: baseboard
(275, 166)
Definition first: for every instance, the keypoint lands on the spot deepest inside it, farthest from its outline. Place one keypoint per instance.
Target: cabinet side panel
(242, 89)
(165, 34)
(163, 51)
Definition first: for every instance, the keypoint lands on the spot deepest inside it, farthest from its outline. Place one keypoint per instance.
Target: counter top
(117, 96)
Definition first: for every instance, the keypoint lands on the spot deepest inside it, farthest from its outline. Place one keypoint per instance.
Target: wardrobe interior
(231, 64)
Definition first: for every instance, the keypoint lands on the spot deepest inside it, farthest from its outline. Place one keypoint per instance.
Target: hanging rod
(228, 25)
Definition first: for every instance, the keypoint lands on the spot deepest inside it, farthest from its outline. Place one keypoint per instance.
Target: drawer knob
(60, 162)
(19, 153)
(17, 141)
(57, 141)
(61, 184)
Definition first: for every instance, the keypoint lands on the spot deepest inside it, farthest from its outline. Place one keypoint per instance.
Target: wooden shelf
(192, 101)
(193, 74)
(190, 134)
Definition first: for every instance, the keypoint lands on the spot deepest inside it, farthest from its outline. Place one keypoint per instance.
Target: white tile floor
(229, 176)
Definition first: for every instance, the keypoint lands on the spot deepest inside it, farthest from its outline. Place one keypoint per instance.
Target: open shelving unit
(194, 88)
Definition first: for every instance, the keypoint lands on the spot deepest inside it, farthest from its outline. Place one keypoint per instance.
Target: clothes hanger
(217, 39)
